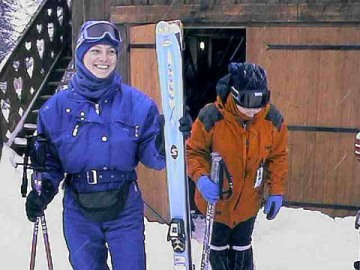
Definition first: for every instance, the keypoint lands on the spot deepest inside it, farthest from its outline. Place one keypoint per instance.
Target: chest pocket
(78, 129)
(75, 121)
(132, 130)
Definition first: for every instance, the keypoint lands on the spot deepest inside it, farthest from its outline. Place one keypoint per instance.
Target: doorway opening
(208, 51)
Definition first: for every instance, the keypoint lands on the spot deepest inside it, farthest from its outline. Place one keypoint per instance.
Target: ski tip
(169, 27)
(175, 28)
(162, 27)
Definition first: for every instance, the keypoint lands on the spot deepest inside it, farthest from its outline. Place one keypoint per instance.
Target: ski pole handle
(215, 167)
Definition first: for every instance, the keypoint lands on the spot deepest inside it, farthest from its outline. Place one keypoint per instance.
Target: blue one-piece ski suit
(116, 139)
(96, 144)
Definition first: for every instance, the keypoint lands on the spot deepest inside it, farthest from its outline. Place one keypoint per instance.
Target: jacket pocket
(132, 130)
(75, 140)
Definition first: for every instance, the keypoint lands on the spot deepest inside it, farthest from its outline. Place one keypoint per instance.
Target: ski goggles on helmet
(97, 30)
(251, 98)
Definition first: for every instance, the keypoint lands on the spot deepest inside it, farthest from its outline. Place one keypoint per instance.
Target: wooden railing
(29, 65)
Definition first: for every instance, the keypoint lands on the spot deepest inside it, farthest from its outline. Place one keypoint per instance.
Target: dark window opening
(206, 57)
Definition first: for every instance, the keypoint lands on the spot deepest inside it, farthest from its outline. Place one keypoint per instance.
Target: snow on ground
(297, 239)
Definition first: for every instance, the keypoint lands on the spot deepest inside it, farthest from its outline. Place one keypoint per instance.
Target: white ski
(168, 49)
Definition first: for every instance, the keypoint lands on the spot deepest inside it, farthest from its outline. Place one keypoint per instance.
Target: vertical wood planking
(144, 75)
(314, 88)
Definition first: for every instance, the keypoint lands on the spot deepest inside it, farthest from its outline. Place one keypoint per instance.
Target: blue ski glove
(272, 206)
(208, 189)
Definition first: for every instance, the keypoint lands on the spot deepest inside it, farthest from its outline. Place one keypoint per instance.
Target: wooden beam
(239, 13)
(195, 14)
(331, 12)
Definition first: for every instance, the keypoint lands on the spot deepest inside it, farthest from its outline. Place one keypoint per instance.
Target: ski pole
(46, 242)
(37, 185)
(210, 212)
(33, 244)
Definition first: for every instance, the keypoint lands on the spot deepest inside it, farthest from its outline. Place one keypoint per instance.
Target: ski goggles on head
(98, 30)
(251, 98)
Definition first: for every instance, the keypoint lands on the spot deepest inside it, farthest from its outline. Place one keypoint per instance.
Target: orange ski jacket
(262, 141)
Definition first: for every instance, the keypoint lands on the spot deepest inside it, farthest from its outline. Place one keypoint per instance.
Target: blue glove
(272, 206)
(208, 189)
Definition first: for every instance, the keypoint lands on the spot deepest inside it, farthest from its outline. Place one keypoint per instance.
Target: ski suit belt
(94, 177)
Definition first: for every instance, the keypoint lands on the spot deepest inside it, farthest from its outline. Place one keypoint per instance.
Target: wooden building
(311, 51)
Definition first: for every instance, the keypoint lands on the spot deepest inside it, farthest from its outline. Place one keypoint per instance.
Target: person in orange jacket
(251, 136)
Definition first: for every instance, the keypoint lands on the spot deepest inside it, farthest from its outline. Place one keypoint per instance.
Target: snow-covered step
(30, 126)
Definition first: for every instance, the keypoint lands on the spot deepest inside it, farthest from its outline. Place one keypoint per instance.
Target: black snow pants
(231, 248)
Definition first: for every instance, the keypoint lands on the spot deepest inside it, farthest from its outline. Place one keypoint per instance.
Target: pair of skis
(169, 46)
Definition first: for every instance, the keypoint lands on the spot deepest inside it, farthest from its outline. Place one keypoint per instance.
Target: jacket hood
(223, 88)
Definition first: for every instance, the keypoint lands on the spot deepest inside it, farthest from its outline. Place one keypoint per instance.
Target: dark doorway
(206, 57)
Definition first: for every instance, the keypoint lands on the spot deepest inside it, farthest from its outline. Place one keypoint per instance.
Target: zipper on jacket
(135, 187)
(137, 131)
(243, 179)
(76, 130)
(244, 126)
(237, 202)
(97, 108)
(246, 143)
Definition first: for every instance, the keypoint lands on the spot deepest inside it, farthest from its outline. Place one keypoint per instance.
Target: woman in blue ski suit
(98, 131)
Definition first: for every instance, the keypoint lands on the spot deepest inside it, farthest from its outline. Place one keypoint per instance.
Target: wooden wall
(231, 13)
(315, 87)
(83, 10)
(312, 87)
(144, 75)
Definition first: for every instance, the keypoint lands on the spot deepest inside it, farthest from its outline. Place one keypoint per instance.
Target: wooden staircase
(39, 66)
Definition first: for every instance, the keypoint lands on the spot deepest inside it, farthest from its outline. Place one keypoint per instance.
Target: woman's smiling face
(100, 60)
